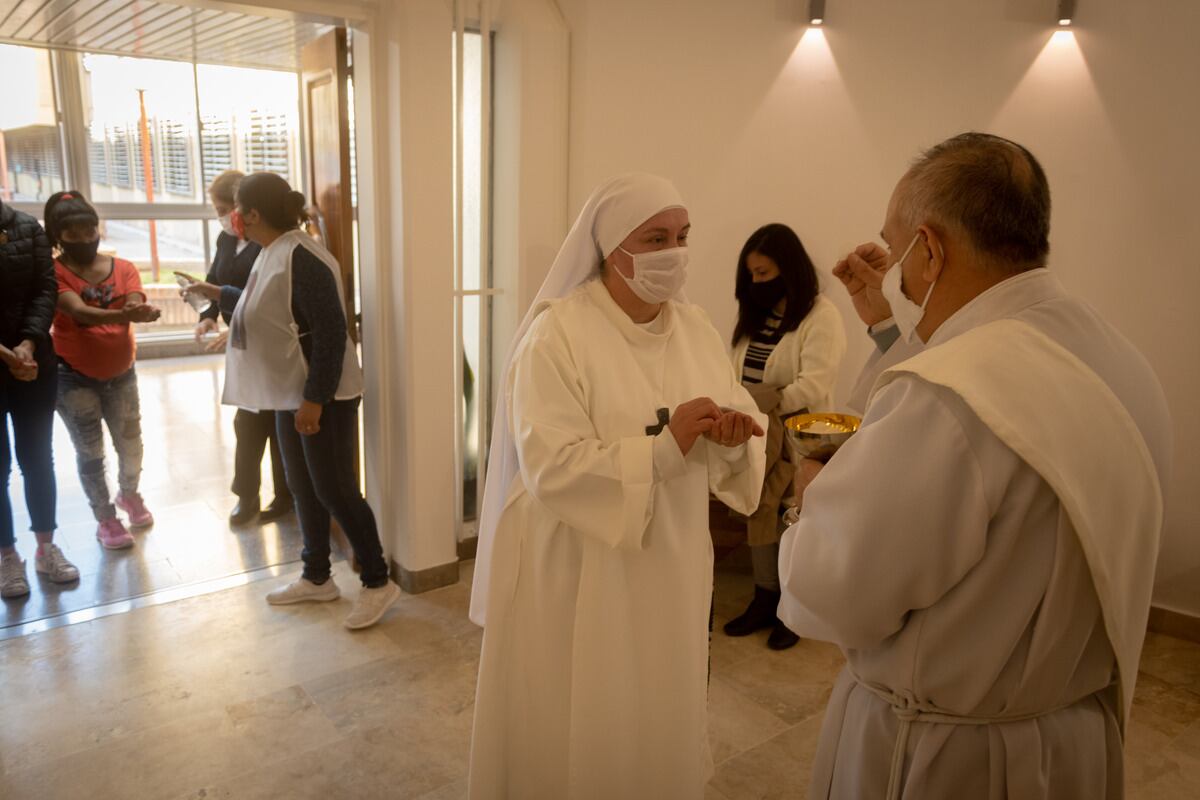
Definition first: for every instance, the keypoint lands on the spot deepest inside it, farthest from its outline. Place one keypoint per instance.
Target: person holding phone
(254, 430)
(99, 297)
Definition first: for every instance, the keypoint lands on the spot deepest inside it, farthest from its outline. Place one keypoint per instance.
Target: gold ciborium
(817, 436)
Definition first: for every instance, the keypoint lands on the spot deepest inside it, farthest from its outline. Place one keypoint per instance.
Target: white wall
(759, 119)
(404, 134)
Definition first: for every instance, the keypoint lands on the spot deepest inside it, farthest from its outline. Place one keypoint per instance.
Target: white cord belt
(909, 710)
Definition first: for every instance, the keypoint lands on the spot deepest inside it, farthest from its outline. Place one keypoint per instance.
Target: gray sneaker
(13, 582)
(54, 565)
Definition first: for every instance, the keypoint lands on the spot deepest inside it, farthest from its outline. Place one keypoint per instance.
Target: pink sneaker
(135, 507)
(113, 536)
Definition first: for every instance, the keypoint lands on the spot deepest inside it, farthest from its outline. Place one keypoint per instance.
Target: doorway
(140, 106)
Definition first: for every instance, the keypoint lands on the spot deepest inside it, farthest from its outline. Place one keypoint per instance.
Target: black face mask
(767, 294)
(82, 254)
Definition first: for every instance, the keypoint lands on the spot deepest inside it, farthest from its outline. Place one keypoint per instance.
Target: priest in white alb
(593, 580)
(983, 549)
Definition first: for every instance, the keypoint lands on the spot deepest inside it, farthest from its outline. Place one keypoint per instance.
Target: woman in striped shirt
(787, 347)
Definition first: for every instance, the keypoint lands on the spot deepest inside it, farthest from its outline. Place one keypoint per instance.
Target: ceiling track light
(1066, 13)
(816, 12)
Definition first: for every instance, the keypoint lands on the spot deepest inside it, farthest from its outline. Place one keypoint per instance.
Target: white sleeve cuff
(669, 461)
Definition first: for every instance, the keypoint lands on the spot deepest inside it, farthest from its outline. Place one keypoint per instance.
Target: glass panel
(31, 163)
(472, 383)
(472, 156)
(476, 364)
(180, 247)
(141, 117)
(250, 121)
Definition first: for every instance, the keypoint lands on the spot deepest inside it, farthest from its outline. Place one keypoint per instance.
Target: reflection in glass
(141, 116)
(31, 165)
(250, 121)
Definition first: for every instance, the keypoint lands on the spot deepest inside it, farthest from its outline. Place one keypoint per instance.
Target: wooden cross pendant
(664, 419)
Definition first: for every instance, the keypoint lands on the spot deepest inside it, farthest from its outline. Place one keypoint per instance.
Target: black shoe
(244, 512)
(760, 614)
(280, 507)
(781, 637)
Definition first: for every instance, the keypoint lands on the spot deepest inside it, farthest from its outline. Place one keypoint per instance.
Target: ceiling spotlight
(1066, 13)
(816, 12)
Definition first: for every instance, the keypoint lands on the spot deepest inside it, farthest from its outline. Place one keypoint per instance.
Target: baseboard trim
(1173, 623)
(467, 548)
(424, 580)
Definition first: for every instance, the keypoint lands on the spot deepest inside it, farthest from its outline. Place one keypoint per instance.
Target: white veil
(616, 208)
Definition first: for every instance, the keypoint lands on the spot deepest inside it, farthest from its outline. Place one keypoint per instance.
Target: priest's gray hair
(989, 188)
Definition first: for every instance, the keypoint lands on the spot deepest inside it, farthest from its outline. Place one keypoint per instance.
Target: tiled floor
(222, 696)
(187, 469)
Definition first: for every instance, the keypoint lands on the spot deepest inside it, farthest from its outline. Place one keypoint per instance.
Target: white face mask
(658, 275)
(908, 315)
(227, 225)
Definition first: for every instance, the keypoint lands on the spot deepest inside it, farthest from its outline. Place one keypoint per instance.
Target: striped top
(760, 349)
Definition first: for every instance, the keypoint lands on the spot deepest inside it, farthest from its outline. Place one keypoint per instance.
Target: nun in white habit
(593, 579)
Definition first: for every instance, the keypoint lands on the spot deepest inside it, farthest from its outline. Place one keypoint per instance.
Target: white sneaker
(53, 564)
(13, 582)
(371, 605)
(303, 590)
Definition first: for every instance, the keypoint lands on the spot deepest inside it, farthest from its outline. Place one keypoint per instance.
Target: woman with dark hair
(289, 351)
(28, 384)
(787, 347)
(98, 299)
(235, 256)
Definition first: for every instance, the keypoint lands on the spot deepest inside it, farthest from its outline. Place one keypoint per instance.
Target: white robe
(943, 565)
(593, 675)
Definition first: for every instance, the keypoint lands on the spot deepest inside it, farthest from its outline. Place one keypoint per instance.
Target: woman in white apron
(289, 351)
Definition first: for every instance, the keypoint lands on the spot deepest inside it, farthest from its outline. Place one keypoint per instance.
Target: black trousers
(323, 479)
(254, 431)
(31, 406)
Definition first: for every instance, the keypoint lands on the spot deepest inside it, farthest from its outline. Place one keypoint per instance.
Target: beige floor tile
(451, 791)
(134, 683)
(364, 766)
(735, 722)
(1172, 660)
(793, 684)
(773, 770)
(1165, 707)
(164, 761)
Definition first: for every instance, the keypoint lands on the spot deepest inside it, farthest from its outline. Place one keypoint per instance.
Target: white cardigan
(804, 365)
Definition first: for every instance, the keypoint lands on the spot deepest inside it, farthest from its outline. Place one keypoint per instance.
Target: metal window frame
(66, 65)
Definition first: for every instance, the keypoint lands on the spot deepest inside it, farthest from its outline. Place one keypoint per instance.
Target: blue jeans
(321, 472)
(86, 405)
(31, 406)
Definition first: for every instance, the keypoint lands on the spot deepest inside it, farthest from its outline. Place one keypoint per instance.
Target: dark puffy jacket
(28, 288)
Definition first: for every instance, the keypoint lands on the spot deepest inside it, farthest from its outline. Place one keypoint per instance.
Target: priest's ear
(934, 248)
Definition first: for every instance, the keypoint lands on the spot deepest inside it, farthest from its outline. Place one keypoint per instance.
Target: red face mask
(238, 224)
